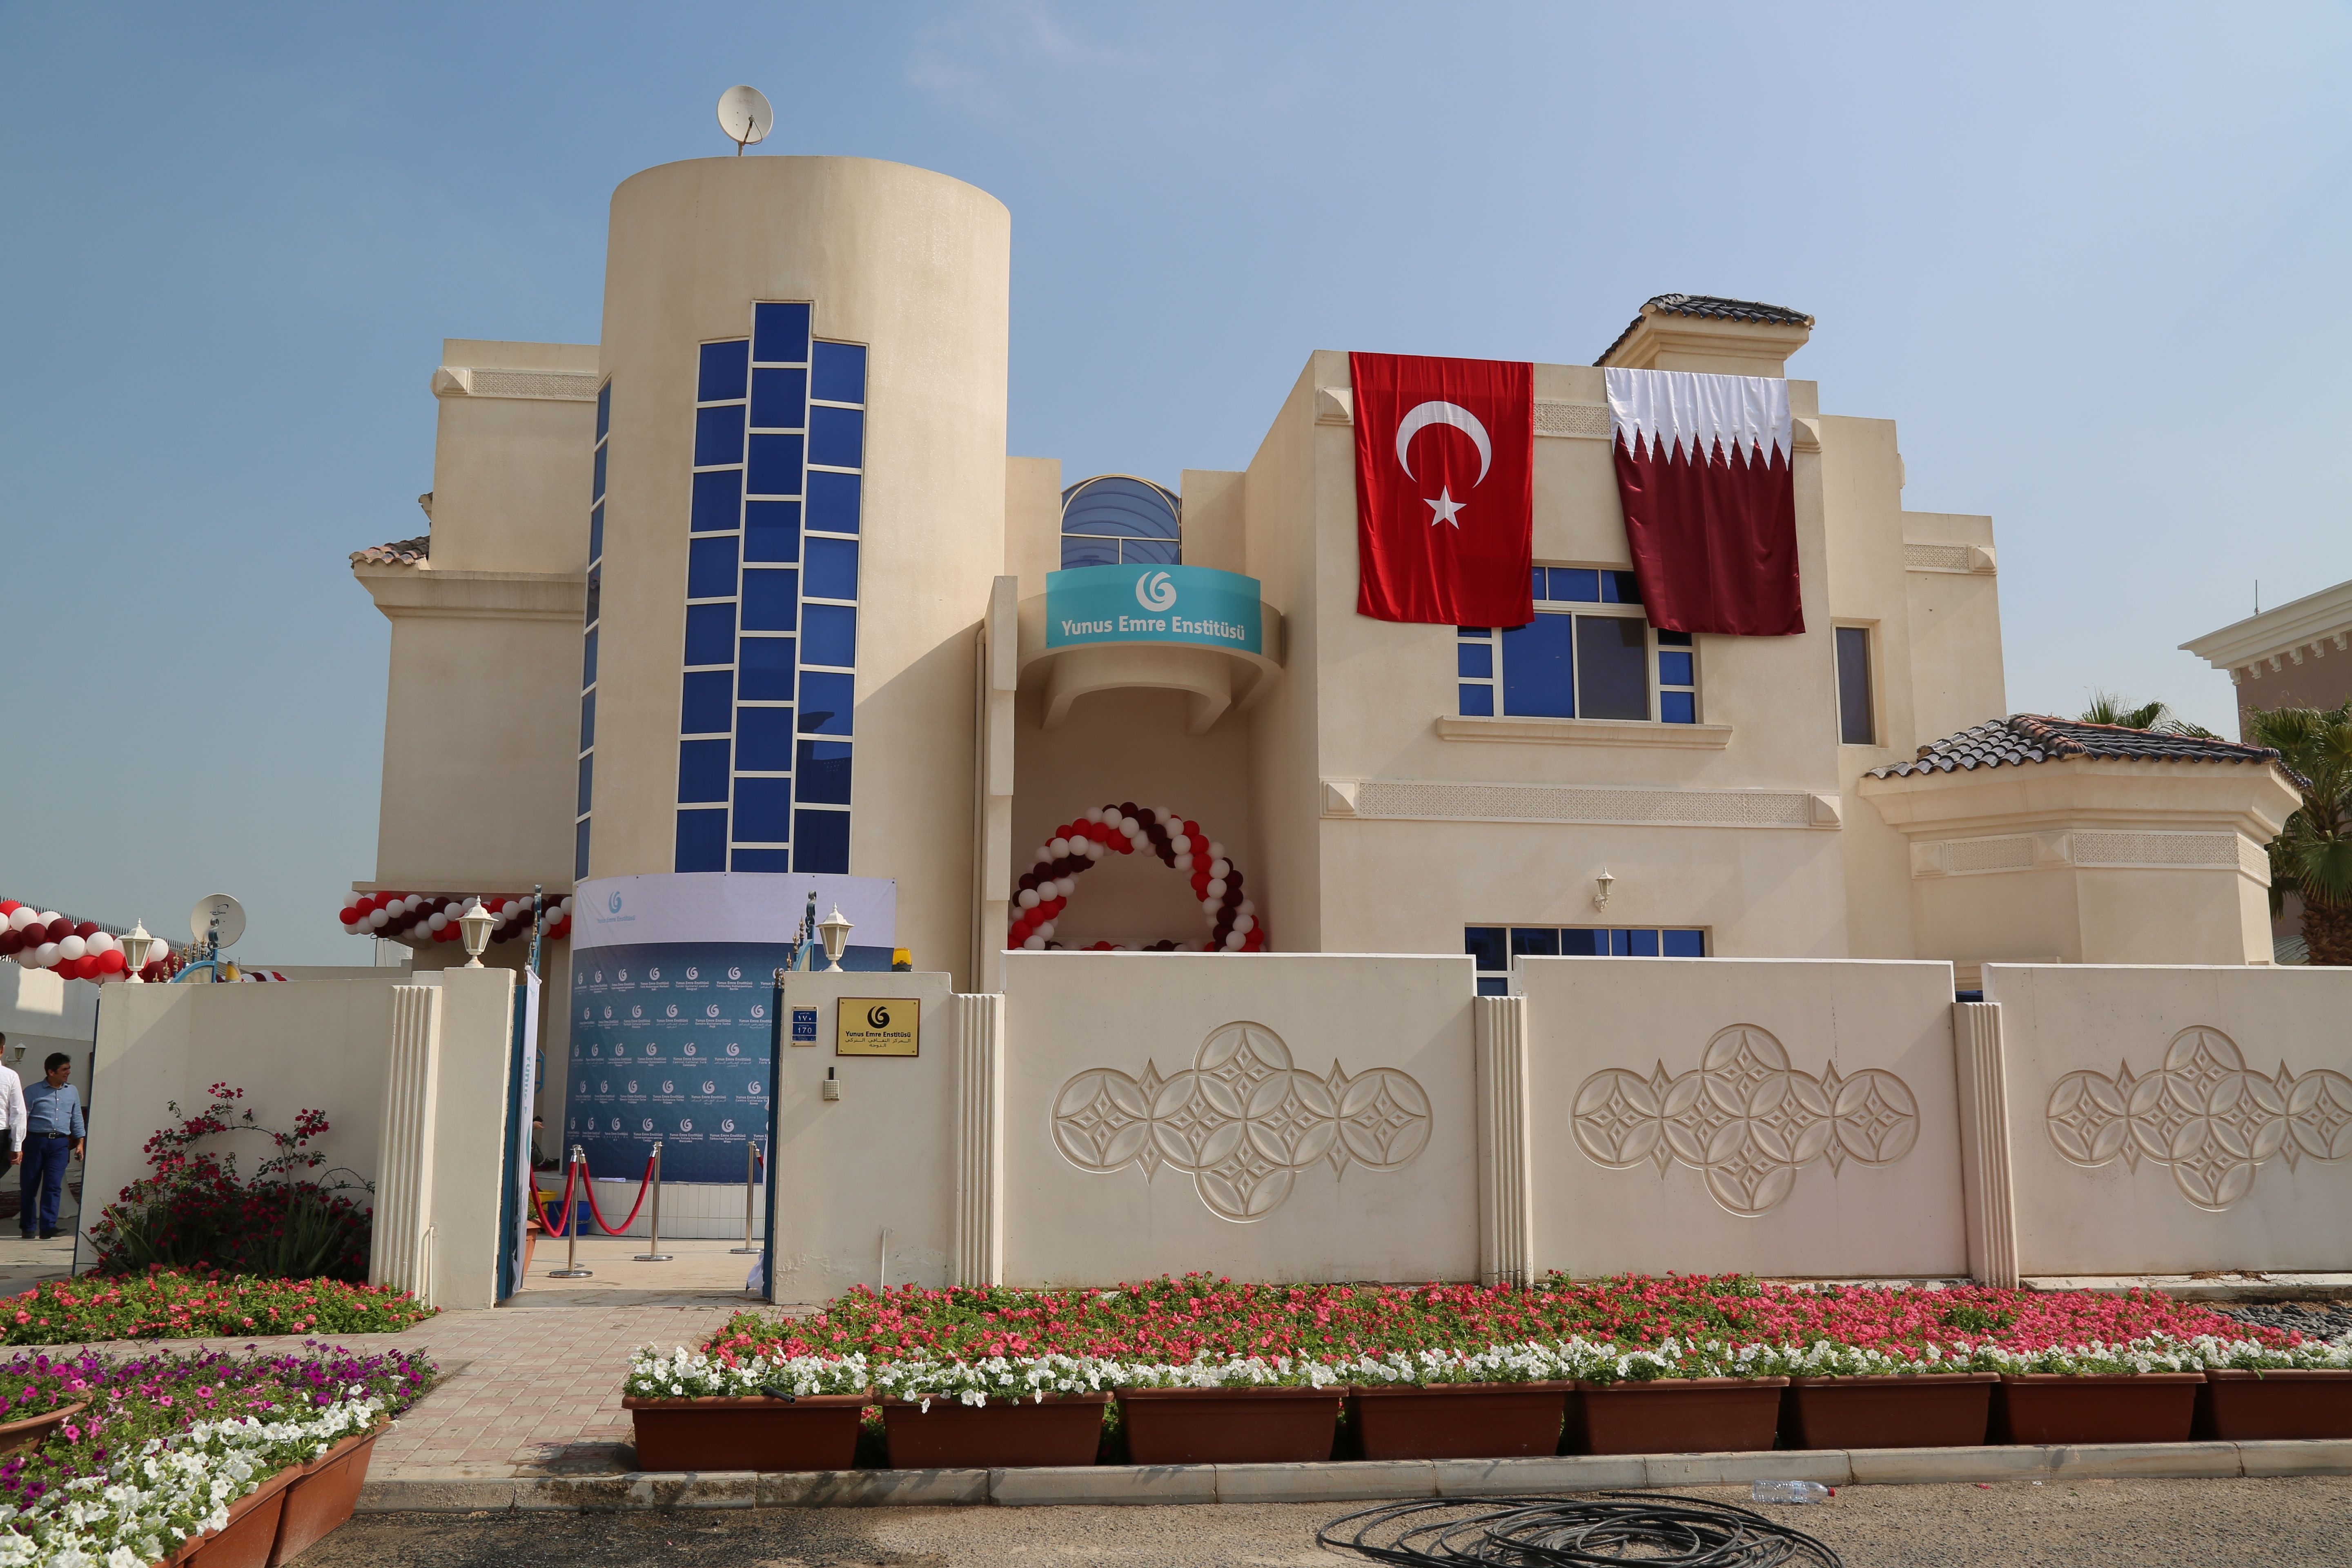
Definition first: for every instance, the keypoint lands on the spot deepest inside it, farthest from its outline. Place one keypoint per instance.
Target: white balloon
(1046, 930)
(1094, 814)
(566, 905)
(71, 946)
(46, 954)
(1095, 850)
(1244, 922)
(1172, 821)
(101, 942)
(1234, 940)
(438, 923)
(378, 919)
(21, 917)
(1216, 889)
(1217, 850)
(1064, 886)
(50, 917)
(1033, 943)
(1219, 865)
(1183, 862)
(1026, 898)
(1246, 907)
(1059, 848)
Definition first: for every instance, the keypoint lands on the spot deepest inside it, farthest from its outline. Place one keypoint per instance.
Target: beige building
(2297, 656)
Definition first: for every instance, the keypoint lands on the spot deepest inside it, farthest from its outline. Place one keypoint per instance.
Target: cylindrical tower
(799, 507)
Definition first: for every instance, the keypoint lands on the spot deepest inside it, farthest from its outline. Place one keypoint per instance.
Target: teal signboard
(1153, 604)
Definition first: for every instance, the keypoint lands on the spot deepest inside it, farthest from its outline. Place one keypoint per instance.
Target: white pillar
(980, 1140)
(1507, 1231)
(401, 1243)
(1987, 1186)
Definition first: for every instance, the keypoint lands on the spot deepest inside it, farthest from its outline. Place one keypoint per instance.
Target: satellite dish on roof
(745, 116)
(218, 910)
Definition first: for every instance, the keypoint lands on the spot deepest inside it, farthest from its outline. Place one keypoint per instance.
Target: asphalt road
(2076, 1524)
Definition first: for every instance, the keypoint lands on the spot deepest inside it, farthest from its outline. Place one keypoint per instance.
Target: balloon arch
(1043, 890)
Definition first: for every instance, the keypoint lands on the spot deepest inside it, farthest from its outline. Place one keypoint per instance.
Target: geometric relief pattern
(1745, 1119)
(2202, 1116)
(1242, 1121)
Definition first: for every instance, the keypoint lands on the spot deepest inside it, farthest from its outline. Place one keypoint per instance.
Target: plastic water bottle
(1790, 1491)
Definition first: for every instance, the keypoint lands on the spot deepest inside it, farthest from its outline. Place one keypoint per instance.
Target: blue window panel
(1584, 943)
(1494, 986)
(709, 634)
(823, 772)
(587, 720)
(1674, 669)
(1681, 944)
(587, 785)
(836, 437)
(838, 373)
(829, 636)
(771, 598)
(725, 368)
(763, 811)
(604, 410)
(1077, 552)
(781, 333)
(1673, 639)
(1114, 507)
(759, 860)
(596, 490)
(717, 500)
(775, 466)
(595, 597)
(779, 399)
(701, 840)
(1485, 944)
(1541, 591)
(710, 567)
(588, 662)
(821, 842)
(832, 502)
(1474, 660)
(1473, 631)
(718, 435)
(771, 531)
(826, 701)
(1477, 701)
(1150, 552)
(1641, 944)
(1620, 588)
(580, 850)
(702, 710)
(763, 741)
(1535, 942)
(1612, 652)
(1573, 585)
(1540, 669)
(701, 770)
(1678, 707)
(596, 533)
(1621, 942)
(765, 673)
(832, 569)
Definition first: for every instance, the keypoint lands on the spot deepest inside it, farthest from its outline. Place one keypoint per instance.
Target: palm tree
(2313, 854)
(2107, 707)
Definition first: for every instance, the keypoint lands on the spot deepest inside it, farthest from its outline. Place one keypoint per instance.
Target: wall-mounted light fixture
(834, 931)
(1602, 882)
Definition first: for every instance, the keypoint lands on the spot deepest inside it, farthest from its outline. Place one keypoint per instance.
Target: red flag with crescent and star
(1444, 490)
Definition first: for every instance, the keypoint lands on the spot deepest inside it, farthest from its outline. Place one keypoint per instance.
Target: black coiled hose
(1604, 1528)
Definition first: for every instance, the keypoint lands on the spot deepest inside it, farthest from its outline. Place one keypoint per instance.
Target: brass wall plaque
(876, 1026)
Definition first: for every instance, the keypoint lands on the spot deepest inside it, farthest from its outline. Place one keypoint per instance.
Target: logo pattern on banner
(1241, 1121)
(663, 1009)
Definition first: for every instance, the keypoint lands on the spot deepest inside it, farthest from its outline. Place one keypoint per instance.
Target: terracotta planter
(2055, 1407)
(2253, 1406)
(33, 1429)
(1929, 1410)
(1459, 1420)
(817, 1432)
(321, 1499)
(1676, 1415)
(1229, 1426)
(245, 1542)
(1064, 1429)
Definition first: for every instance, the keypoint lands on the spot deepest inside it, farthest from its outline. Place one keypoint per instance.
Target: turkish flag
(1710, 502)
(1444, 490)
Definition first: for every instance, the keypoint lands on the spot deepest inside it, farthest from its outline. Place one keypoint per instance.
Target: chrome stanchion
(751, 1180)
(577, 1174)
(657, 1255)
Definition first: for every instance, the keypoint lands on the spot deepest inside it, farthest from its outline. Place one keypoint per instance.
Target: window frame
(1871, 683)
(1653, 672)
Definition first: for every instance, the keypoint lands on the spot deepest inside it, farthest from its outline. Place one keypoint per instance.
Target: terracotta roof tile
(1714, 307)
(2023, 738)
(413, 551)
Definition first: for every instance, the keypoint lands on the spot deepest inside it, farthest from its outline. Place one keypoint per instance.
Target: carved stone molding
(1745, 1119)
(980, 1140)
(1987, 1190)
(1585, 421)
(2202, 1116)
(2085, 847)
(1507, 1229)
(536, 385)
(1241, 1121)
(1975, 559)
(1419, 800)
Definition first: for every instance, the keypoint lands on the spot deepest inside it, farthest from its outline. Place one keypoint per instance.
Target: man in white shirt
(12, 1106)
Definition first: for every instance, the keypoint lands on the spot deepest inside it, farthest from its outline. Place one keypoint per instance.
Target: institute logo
(689, 1049)
(647, 1125)
(691, 971)
(1155, 591)
(652, 1049)
(734, 972)
(685, 1124)
(668, 1087)
(673, 1009)
(734, 1051)
(637, 1012)
(655, 973)
(708, 1087)
(758, 1011)
(752, 1087)
(616, 1124)
(620, 975)
(711, 1011)
(633, 1086)
(728, 1125)
(614, 903)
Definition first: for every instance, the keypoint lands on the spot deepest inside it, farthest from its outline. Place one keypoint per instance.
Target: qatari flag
(1710, 503)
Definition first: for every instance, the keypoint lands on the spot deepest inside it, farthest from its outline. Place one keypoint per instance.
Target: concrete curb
(479, 1488)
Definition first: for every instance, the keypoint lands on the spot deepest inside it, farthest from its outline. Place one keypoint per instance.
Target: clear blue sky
(2093, 259)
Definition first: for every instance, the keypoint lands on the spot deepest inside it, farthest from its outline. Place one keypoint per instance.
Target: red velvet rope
(539, 1202)
(644, 1184)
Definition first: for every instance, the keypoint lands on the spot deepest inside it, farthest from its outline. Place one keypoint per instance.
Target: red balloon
(9, 906)
(111, 962)
(350, 917)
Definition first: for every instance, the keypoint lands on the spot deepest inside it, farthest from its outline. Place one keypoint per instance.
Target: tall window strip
(588, 644)
(1590, 653)
(1498, 949)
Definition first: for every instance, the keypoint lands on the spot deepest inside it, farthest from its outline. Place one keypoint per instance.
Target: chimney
(1713, 335)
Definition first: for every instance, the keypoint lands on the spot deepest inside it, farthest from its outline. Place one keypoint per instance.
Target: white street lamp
(475, 926)
(834, 929)
(136, 946)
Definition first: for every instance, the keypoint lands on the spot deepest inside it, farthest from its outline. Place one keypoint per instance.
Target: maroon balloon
(57, 930)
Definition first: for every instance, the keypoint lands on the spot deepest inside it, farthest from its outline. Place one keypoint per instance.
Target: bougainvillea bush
(199, 1303)
(194, 1207)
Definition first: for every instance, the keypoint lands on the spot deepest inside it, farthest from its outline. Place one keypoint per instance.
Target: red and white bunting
(78, 950)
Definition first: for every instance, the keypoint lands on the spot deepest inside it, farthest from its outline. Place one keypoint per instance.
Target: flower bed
(199, 1303)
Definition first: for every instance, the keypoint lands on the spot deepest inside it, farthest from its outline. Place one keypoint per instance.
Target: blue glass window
(1585, 943)
(782, 333)
(823, 772)
(596, 533)
(588, 662)
(710, 567)
(1683, 944)
(771, 598)
(763, 810)
(765, 674)
(1477, 701)
(826, 703)
(775, 466)
(725, 368)
(587, 720)
(1678, 707)
(595, 596)
(839, 373)
(587, 785)
(703, 710)
(1475, 659)
(1572, 584)
(1485, 944)
(1641, 943)
(604, 410)
(836, 437)
(580, 850)
(597, 493)
(832, 569)
(771, 531)
(1539, 942)
(701, 770)
(763, 739)
(779, 399)
(1540, 669)
(1674, 669)
(777, 860)
(709, 634)
(1078, 551)
(1673, 639)
(821, 842)
(829, 636)
(1620, 588)
(701, 840)
(1149, 553)
(718, 435)
(832, 502)
(717, 500)
(1612, 651)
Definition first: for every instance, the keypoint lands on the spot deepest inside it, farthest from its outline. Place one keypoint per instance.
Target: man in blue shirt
(54, 1131)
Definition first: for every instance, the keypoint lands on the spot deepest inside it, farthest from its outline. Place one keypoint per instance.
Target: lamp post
(136, 945)
(834, 931)
(475, 925)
